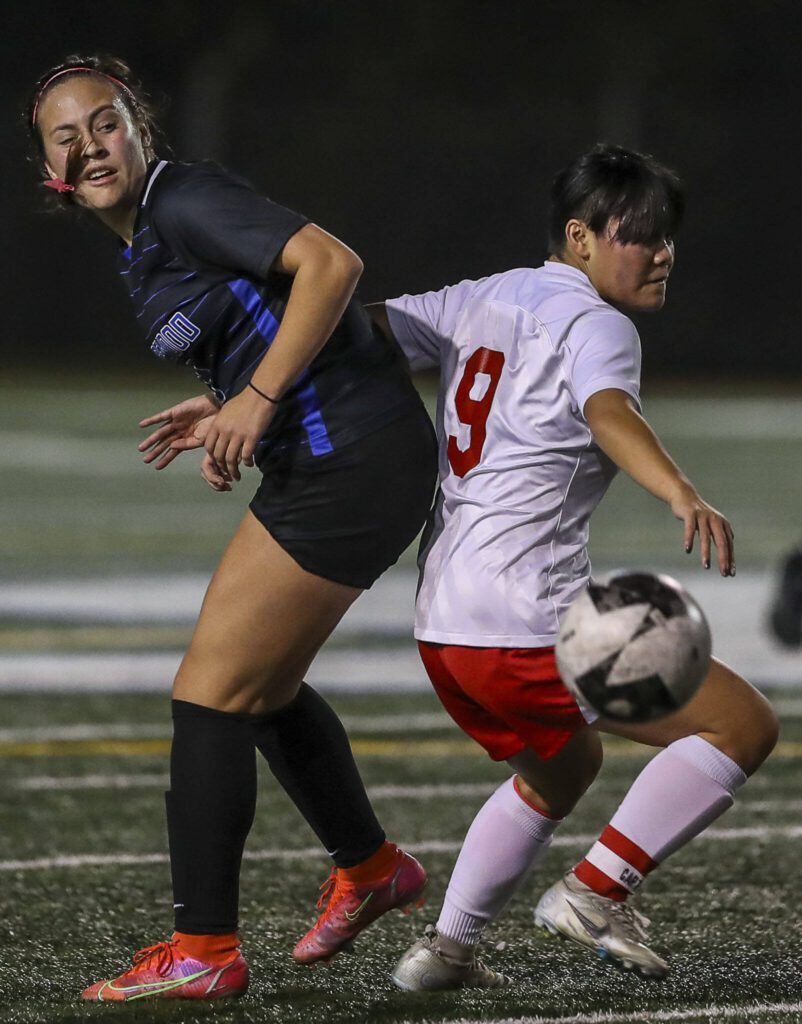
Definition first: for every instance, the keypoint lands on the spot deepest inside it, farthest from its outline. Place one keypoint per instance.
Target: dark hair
(111, 69)
(612, 183)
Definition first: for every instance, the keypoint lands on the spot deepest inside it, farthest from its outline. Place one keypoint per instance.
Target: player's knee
(752, 732)
(216, 682)
(557, 784)
(764, 733)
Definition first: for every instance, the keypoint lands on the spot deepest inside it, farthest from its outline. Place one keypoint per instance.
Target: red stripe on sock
(600, 883)
(627, 850)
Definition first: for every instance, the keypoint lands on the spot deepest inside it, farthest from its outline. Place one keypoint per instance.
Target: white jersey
(520, 474)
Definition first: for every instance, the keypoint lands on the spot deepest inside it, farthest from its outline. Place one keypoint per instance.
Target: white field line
(175, 598)
(160, 780)
(765, 806)
(395, 669)
(146, 780)
(432, 721)
(430, 791)
(696, 1013)
(52, 783)
(70, 455)
(84, 731)
(358, 725)
(335, 670)
(788, 707)
(81, 860)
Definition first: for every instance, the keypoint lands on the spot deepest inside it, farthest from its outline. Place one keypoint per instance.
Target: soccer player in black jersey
(260, 303)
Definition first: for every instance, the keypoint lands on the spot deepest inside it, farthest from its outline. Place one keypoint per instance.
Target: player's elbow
(350, 265)
(313, 251)
(335, 258)
(339, 266)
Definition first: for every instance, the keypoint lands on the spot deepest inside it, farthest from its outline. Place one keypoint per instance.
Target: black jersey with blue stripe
(198, 271)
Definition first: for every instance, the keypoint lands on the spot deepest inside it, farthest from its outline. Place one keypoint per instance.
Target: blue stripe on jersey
(268, 325)
(313, 418)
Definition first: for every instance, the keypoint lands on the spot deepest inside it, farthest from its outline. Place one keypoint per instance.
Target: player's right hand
(179, 428)
(699, 517)
(211, 474)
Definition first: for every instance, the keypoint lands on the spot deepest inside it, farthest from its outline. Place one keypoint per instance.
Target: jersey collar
(155, 167)
(568, 272)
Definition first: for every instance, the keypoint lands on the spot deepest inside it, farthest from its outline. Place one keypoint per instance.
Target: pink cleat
(165, 971)
(352, 906)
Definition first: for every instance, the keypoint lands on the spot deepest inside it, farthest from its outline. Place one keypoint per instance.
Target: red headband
(69, 71)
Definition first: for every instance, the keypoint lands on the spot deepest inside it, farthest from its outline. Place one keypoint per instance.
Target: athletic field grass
(84, 880)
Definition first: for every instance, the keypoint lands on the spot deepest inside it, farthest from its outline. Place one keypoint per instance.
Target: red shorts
(506, 698)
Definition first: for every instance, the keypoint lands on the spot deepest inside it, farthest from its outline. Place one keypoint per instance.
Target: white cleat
(616, 932)
(423, 968)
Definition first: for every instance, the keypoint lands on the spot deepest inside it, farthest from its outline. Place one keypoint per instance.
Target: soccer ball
(634, 647)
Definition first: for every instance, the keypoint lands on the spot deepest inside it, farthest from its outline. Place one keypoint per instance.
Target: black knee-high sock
(307, 750)
(210, 809)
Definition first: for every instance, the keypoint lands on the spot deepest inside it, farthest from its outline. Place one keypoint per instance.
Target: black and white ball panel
(634, 647)
(641, 700)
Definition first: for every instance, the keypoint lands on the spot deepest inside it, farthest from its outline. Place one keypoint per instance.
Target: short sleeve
(209, 216)
(602, 350)
(421, 323)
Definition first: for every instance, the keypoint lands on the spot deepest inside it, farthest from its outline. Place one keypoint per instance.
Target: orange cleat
(166, 971)
(354, 903)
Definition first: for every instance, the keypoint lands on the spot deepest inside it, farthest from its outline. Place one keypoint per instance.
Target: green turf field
(725, 910)
(83, 773)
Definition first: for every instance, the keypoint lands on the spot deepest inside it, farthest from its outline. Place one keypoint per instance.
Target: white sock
(506, 839)
(676, 796)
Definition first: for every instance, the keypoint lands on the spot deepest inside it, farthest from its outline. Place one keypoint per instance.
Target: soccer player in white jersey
(538, 408)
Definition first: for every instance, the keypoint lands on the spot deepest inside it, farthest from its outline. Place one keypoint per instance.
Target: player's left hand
(236, 430)
(180, 428)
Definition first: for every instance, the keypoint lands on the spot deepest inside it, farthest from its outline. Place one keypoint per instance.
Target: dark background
(425, 134)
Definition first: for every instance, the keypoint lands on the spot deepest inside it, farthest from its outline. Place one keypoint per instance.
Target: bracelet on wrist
(267, 398)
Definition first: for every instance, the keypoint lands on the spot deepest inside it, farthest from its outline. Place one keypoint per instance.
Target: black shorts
(347, 516)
